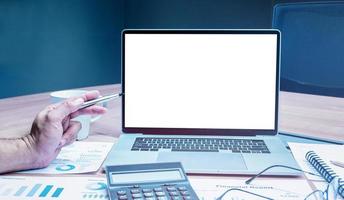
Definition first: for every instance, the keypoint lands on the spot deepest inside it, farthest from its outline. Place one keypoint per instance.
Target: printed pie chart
(96, 186)
(65, 168)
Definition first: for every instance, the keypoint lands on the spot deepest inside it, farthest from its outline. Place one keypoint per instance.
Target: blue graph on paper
(96, 186)
(51, 188)
(95, 190)
(64, 168)
(37, 190)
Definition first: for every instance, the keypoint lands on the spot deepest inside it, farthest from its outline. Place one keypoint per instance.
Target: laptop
(205, 98)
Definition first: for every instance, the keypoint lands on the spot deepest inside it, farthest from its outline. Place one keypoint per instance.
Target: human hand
(53, 128)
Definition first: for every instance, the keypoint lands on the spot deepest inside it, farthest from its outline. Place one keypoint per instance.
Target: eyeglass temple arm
(233, 189)
(283, 166)
(312, 193)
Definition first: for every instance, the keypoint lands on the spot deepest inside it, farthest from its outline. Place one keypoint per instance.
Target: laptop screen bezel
(202, 131)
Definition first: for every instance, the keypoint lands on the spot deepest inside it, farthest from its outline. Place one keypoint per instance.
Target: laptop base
(208, 162)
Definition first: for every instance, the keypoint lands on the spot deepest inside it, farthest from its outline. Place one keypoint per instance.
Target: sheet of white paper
(79, 157)
(325, 151)
(287, 189)
(48, 188)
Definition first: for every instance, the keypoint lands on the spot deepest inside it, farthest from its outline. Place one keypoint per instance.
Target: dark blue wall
(58, 44)
(50, 45)
(198, 13)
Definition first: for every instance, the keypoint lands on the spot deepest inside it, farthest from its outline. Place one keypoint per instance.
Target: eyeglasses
(330, 193)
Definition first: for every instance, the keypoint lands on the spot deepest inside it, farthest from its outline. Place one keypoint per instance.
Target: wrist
(16, 154)
(35, 158)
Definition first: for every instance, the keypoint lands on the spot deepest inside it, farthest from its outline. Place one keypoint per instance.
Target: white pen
(337, 163)
(100, 100)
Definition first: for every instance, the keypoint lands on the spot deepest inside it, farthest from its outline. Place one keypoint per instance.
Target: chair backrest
(312, 47)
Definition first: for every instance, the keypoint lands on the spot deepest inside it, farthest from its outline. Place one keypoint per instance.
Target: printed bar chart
(46, 191)
(52, 188)
(33, 190)
(37, 190)
(57, 192)
(20, 191)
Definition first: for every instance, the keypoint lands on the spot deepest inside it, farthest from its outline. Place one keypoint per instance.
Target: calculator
(152, 181)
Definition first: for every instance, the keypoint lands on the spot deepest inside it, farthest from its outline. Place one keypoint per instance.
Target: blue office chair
(312, 47)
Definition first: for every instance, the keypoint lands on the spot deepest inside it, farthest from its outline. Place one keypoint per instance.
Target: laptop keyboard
(200, 145)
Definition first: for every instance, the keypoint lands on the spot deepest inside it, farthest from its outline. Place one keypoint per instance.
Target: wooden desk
(308, 114)
(299, 113)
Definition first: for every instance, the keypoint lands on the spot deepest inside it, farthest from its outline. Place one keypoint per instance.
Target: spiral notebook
(324, 170)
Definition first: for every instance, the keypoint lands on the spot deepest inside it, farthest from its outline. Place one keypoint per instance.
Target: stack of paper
(280, 188)
(79, 157)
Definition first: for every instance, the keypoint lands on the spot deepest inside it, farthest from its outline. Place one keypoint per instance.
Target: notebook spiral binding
(325, 171)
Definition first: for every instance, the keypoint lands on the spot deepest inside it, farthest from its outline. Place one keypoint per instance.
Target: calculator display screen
(146, 176)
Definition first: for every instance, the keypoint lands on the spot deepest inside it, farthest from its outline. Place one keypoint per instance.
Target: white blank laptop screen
(208, 81)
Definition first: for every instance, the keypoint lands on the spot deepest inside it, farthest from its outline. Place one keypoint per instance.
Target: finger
(65, 122)
(70, 141)
(64, 109)
(88, 95)
(93, 110)
(70, 134)
(71, 105)
(91, 95)
(57, 151)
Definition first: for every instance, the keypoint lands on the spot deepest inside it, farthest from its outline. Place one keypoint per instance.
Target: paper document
(48, 188)
(79, 157)
(326, 152)
(278, 188)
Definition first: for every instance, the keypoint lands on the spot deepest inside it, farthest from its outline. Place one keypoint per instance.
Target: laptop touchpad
(205, 161)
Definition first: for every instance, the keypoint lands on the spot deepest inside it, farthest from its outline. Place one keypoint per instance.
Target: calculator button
(159, 189)
(147, 190)
(148, 194)
(134, 191)
(139, 195)
(160, 194)
(171, 189)
(121, 192)
(185, 193)
(150, 198)
(182, 188)
(138, 198)
(162, 198)
(173, 193)
(123, 197)
(176, 198)
(169, 184)
(187, 198)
